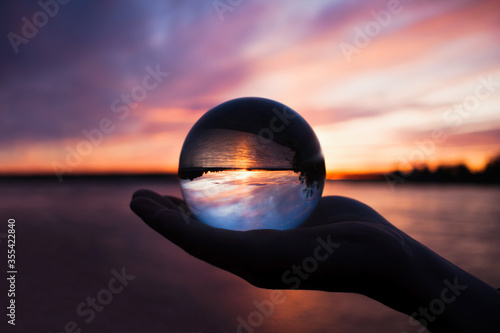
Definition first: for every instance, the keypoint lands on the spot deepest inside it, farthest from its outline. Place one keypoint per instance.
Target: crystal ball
(251, 163)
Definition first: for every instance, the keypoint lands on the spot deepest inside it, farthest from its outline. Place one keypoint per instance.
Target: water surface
(71, 235)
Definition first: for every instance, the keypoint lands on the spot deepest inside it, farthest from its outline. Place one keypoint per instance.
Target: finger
(162, 200)
(175, 200)
(332, 209)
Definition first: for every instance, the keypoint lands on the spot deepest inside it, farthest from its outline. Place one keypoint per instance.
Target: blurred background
(404, 97)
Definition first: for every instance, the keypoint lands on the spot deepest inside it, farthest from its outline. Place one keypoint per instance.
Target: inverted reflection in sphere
(251, 163)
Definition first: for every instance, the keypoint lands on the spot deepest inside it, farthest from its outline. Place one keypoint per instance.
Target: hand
(344, 246)
(354, 248)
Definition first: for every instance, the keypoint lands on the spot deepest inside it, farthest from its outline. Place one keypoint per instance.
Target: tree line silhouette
(459, 173)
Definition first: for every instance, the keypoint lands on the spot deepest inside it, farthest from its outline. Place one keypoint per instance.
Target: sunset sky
(381, 82)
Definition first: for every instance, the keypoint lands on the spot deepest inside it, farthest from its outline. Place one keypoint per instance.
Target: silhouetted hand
(344, 246)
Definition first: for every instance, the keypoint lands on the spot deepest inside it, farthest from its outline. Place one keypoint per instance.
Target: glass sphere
(251, 163)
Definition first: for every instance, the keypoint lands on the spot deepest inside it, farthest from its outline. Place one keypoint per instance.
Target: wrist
(447, 298)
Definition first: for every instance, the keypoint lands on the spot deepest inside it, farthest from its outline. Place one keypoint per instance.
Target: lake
(73, 239)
